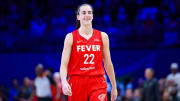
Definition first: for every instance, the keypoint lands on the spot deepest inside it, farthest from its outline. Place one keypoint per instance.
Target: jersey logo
(79, 41)
(84, 48)
(101, 97)
(97, 40)
(87, 68)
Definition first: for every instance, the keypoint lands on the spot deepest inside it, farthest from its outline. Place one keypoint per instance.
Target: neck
(149, 79)
(40, 75)
(86, 29)
(174, 73)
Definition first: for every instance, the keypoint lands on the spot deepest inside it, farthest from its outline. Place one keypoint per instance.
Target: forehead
(85, 8)
(148, 71)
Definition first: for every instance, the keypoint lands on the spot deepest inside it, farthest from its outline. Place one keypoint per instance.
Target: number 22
(87, 56)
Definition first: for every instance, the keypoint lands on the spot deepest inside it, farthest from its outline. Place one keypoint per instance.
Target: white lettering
(78, 48)
(84, 48)
(93, 47)
(87, 68)
(88, 48)
(98, 47)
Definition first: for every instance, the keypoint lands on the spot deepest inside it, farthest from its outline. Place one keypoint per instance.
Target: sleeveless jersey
(86, 55)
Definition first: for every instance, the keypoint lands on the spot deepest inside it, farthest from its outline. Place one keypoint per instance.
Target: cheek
(91, 17)
(81, 17)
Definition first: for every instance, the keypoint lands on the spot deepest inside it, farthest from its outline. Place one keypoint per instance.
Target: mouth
(87, 19)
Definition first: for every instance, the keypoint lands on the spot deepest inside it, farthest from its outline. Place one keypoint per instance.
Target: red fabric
(34, 98)
(84, 88)
(86, 56)
(54, 92)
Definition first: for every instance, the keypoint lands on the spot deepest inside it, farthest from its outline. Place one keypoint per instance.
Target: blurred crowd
(47, 86)
(41, 25)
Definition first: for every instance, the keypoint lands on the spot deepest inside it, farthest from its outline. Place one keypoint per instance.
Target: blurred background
(143, 34)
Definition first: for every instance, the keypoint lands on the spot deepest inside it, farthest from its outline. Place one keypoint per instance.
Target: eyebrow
(87, 11)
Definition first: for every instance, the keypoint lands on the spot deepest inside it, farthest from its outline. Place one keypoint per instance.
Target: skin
(148, 74)
(166, 96)
(39, 71)
(86, 16)
(174, 71)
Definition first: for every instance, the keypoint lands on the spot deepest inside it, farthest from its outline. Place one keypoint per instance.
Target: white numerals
(87, 56)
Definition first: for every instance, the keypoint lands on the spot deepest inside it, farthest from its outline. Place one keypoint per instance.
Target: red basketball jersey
(86, 56)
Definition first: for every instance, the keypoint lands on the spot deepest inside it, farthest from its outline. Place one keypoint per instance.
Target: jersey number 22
(87, 56)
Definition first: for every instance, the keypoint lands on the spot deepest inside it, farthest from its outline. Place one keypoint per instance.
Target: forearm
(110, 72)
(63, 73)
(58, 90)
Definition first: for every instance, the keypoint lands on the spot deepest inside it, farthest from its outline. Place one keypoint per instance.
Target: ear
(77, 17)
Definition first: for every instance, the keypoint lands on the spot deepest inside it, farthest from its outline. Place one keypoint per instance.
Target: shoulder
(178, 74)
(154, 80)
(104, 35)
(69, 36)
(36, 80)
(105, 38)
(169, 76)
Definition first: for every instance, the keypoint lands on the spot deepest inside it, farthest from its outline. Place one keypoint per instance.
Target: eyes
(88, 12)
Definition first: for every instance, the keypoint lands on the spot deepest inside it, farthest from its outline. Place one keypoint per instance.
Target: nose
(87, 14)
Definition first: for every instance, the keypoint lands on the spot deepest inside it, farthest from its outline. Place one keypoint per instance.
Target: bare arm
(65, 56)
(108, 64)
(107, 60)
(64, 61)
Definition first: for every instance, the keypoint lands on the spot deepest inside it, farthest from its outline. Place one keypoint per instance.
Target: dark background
(142, 33)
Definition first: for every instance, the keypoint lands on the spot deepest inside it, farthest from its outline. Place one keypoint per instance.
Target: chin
(87, 23)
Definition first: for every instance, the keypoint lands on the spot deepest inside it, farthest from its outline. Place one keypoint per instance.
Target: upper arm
(67, 49)
(106, 51)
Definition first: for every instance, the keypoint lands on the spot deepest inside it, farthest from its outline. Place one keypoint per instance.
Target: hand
(113, 94)
(57, 96)
(66, 88)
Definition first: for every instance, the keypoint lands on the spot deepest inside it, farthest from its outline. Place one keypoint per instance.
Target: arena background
(142, 33)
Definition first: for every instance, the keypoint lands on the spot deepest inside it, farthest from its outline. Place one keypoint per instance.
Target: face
(148, 74)
(15, 83)
(174, 71)
(39, 71)
(85, 15)
(26, 81)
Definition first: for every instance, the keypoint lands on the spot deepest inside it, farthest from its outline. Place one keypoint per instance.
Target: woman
(84, 51)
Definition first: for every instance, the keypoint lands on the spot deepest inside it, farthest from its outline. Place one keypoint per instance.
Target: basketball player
(84, 51)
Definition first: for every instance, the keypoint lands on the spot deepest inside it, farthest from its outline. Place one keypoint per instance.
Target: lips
(87, 18)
